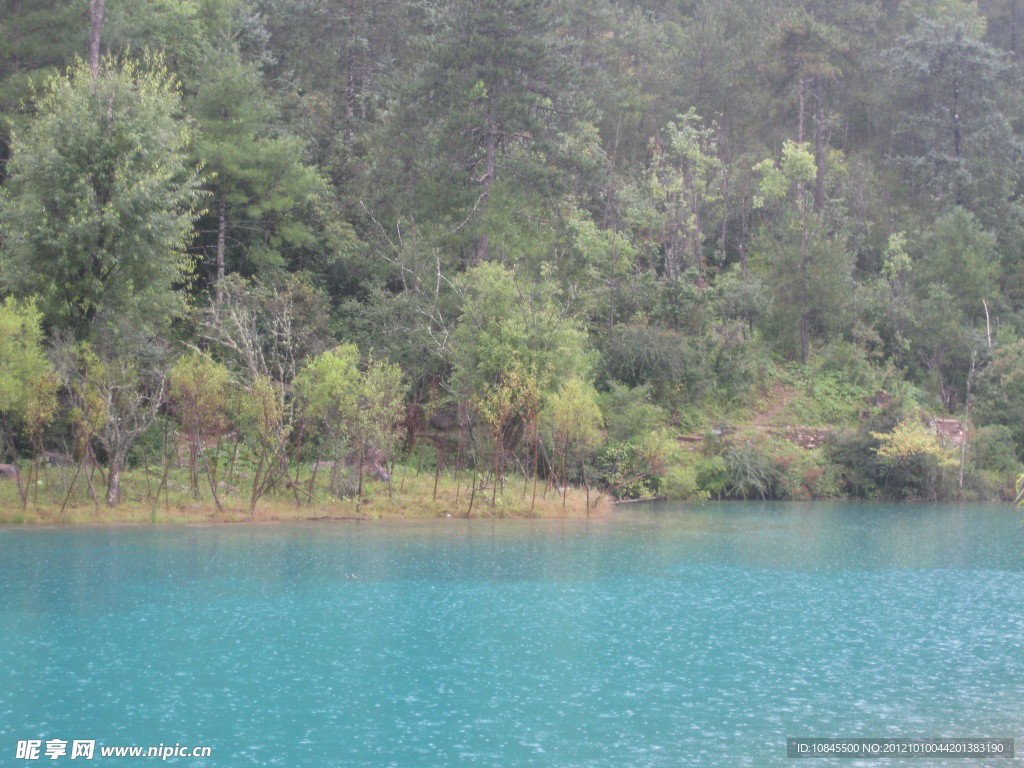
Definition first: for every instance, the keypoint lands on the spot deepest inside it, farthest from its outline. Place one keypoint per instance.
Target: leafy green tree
(958, 253)
(808, 268)
(98, 209)
(117, 389)
(678, 204)
(376, 421)
(199, 389)
(27, 383)
(572, 422)
(358, 412)
(22, 361)
(327, 389)
(507, 322)
(343, 58)
(942, 340)
(1000, 395)
(915, 457)
(509, 409)
(263, 416)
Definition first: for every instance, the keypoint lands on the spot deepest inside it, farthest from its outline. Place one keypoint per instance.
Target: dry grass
(411, 496)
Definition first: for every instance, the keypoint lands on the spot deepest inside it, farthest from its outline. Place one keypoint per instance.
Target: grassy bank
(411, 495)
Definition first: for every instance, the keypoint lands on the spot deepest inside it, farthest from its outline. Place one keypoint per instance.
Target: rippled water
(664, 636)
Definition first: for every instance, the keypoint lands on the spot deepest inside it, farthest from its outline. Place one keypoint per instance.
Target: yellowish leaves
(911, 437)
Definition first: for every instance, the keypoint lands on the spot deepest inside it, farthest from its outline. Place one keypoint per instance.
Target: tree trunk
(957, 136)
(819, 146)
(491, 150)
(114, 479)
(1013, 27)
(95, 13)
(362, 460)
(222, 226)
(213, 481)
(194, 444)
(800, 110)
(497, 466)
(805, 337)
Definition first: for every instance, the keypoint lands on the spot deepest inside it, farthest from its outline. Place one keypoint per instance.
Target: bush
(712, 476)
(680, 484)
(640, 355)
(629, 414)
(993, 463)
(622, 471)
(994, 448)
(752, 472)
(806, 476)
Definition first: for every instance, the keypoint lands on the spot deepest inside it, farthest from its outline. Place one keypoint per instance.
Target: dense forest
(683, 248)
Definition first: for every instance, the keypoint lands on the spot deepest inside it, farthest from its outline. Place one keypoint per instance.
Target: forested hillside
(755, 248)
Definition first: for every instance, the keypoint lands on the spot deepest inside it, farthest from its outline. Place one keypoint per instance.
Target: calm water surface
(665, 636)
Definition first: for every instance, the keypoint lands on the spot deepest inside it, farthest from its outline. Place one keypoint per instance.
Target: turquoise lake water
(663, 636)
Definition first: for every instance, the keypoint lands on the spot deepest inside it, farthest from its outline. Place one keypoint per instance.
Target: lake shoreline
(208, 515)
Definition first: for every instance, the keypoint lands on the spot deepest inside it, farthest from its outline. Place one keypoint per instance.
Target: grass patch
(411, 495)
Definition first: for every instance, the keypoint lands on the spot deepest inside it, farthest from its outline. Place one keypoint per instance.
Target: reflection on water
(664, 636)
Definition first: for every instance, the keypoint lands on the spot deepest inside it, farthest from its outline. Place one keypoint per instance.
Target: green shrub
(628, 412)
(712, 476)
(680, 484)
(994, 448)
(805, 475)
(752, 471)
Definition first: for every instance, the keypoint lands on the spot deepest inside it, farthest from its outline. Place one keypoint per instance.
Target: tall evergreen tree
(262, 191)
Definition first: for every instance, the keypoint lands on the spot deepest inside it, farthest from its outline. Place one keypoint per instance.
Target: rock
(57, 459)
(9, 471)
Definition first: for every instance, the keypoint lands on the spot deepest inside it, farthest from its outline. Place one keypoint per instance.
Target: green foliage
(639, 355)
(952, 133)
(261, 190)
(88, 411)
(960, 255)
(993, 448)
(681, 483)
(505, 323)
(356, 413)
(712, 474)
(752, 472)
(505, 199)
(999, 399)
(911, 439)
(571, 421)
(379, 410)
(629, 414)
(260, 412)
(199, 387)
(634, 469)
(830, 397)
(894, 455)
(36, 40)
(23, 365)
(803, 255)
(780, 178)
(327, 387)
(99, 207)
